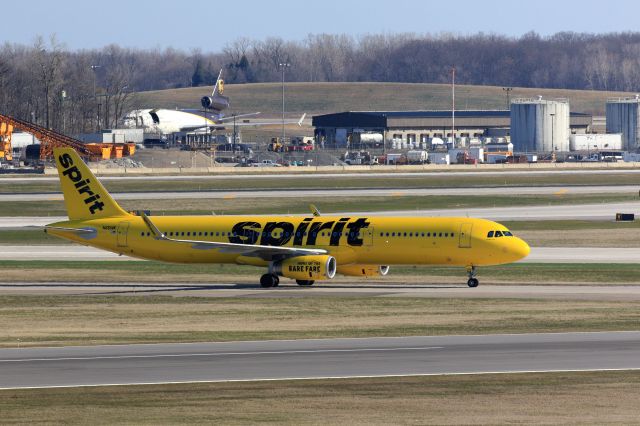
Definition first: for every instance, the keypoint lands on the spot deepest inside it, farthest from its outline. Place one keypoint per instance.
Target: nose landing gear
(473, 281)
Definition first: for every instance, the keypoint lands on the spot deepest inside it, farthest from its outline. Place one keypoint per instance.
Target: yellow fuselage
(361, 239)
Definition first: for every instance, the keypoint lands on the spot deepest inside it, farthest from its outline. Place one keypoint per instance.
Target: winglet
(314, 210)
(154, 230)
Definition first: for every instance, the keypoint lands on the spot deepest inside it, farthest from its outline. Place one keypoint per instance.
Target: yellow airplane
(303, 248)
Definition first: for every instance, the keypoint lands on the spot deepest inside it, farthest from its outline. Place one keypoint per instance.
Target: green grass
(301, 182)
(321, 98)
(550, 398)
(28, 236)
(300, 205)
(152, 272)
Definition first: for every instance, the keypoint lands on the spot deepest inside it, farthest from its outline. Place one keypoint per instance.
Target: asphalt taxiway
(318, 358)
(592, 211)
(69, 252)
(558, 190)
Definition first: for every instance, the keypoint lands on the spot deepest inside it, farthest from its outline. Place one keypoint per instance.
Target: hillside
(320, 98)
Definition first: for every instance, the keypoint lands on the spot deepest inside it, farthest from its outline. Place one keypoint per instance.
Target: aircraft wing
(274, 122)
(267, 253)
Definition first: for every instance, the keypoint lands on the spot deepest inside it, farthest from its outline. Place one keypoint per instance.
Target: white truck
(417, 157)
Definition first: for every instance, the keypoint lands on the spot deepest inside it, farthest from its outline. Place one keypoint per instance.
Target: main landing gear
(473, 281)
(269, 280)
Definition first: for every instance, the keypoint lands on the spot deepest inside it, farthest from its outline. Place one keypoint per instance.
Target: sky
(209, 25)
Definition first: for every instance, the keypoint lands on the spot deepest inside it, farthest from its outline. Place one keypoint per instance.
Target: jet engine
(217, 103)
(363, 270)
(316, 267)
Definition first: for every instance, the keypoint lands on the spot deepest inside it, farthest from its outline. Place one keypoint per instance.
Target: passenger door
(464, 240)
(123, 229)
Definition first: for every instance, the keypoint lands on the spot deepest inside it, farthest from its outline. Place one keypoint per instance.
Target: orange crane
(49, 139)
(6, 152)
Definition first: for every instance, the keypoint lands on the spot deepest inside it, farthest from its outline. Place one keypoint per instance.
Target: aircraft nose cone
(520, 248)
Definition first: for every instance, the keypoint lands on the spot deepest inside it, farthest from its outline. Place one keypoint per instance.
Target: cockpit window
(498, 234)
(507, 234)
(490, 234)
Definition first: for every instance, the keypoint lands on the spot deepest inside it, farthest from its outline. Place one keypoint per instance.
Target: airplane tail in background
(84, 195)
(217, 101)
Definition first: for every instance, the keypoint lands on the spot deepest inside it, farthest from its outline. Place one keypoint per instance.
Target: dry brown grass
(108, 319)
(320, 98)
(627, 237)
(552, 398)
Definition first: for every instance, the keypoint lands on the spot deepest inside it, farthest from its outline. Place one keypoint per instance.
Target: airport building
(418, 127)
(539, 125)
(623, 116)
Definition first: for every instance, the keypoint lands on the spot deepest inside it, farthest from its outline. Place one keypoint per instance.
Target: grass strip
(33, 320)
(542, 398)
(158, 272)
(300, 205)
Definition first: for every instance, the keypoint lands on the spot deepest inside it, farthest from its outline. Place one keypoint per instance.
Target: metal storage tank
(539, 125)
(622, 117)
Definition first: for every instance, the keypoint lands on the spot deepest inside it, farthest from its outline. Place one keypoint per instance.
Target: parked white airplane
(166, 121)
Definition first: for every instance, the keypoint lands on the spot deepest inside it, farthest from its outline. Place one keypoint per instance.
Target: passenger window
(490, 234)
(440, 235)
(387, 234)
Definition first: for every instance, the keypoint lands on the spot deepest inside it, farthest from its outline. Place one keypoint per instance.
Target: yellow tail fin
(84, 195)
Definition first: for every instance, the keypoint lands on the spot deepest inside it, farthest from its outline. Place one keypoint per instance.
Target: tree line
(83, 90)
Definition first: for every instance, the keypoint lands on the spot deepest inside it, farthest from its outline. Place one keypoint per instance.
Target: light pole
(283, 66)
(95, 99)
(552, 114)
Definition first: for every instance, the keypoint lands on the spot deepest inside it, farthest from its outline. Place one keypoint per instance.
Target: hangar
(420, 126)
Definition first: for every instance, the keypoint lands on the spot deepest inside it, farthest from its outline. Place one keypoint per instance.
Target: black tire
(305, 283)
(267, 281)
(473, 282)
(276, 280)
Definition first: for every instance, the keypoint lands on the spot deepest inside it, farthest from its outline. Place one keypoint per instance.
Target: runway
(74, 252)
(597, 211)
(319, 358)
(348, 192)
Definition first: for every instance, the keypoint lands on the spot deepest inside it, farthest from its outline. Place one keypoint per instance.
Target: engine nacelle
(316, 267)
(217, 103)
(363, 270)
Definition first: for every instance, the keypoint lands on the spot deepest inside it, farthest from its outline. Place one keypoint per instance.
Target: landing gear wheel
(269, 280)
(471, 273)
(305, 283)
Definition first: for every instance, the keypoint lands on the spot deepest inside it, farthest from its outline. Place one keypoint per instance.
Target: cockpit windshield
(497, 234)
